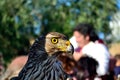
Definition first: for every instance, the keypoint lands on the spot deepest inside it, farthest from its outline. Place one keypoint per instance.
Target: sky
(118, 4)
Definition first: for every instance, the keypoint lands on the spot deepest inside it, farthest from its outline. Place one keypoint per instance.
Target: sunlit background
(21, 21)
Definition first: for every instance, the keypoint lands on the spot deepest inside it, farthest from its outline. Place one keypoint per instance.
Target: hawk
(42, 62)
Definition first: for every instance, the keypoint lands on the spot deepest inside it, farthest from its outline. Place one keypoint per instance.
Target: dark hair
(89, 64)
(88, 67)
(87, 29)
(117, 57)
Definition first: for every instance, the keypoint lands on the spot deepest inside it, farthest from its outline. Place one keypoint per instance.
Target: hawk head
(56, 42)
(53, 43)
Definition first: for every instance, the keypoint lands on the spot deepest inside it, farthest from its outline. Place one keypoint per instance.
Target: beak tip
(71, 49)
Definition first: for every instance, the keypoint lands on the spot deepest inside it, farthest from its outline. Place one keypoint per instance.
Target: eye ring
(54, 40)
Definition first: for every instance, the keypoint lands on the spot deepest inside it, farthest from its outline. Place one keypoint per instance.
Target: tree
(115, 26)
(63, 15)
(15, 23)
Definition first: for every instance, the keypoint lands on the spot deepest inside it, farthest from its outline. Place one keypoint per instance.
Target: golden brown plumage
(42, 62)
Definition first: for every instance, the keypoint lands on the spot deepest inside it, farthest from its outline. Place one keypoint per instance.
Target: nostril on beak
(68, 43)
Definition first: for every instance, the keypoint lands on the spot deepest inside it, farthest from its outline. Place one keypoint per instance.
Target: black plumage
(42, 62)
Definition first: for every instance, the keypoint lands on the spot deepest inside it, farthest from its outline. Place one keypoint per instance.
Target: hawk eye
(54, 40)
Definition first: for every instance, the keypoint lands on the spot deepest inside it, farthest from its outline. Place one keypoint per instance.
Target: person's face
(81, 39)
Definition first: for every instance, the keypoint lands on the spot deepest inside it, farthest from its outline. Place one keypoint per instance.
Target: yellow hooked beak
(68, 48)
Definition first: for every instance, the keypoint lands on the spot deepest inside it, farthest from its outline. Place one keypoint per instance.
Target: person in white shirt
(88, 41)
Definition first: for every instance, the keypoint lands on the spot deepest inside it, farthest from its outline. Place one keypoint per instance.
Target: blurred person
(89, 43)
(14, 67)
(111, 68)
(87, 70)
(117, 67)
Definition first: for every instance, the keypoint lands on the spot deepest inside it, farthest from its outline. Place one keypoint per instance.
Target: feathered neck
(37, 50)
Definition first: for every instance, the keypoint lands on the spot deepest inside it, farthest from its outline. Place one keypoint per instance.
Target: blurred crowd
(91, 59)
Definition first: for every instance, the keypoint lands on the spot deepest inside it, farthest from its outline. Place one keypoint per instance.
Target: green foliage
(63, 15)
(19, 17)
(14, 35)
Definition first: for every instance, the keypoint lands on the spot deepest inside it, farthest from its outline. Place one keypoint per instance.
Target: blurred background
(22, 21)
